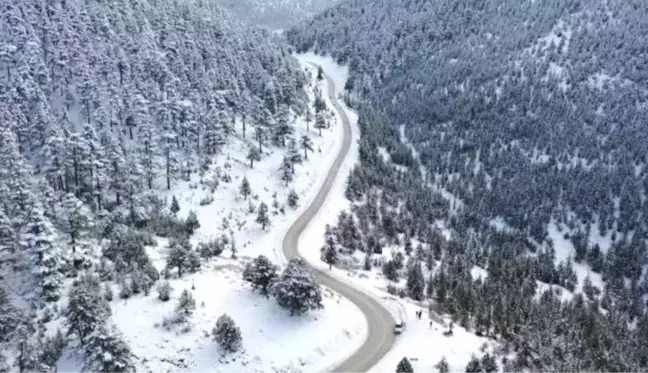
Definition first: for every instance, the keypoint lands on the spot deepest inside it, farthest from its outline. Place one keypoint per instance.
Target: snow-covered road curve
(380, 337)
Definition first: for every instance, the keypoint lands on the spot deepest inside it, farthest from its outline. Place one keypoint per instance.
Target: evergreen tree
(320, 73)
(442, 366)
(390, 271)
(320, 122)
(76, 220)
(307, 144)
(52, 348)
(261, 273)
(38, 238)
(415, 281)
(404, 366)
(87, 308)
(286, 170)
(367, 262)
(262, 216)
(296, 289)
(293, 154)
(227, 334)
(245, 189)
(106, 351)
(186, 303)
(474, 365)
(192, 223)
(283, 127)
(330, 252)
(293, 199)
(29, 354)
(182, 256)
(488, 363)
(7, 236)
(10, 317)
(175, 206)
(253, 155)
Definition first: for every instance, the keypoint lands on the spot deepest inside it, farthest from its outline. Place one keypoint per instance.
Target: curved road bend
(380, 337)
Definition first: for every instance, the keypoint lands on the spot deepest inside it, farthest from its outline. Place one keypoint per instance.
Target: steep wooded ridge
(101, 103)
(516, 128)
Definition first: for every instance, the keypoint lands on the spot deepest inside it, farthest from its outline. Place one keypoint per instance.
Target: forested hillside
(507, 136)
(276, 14)
(103, 104)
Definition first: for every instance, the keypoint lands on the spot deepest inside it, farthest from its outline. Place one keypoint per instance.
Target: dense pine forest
(506, 137)
(276, 14)
(102, 105)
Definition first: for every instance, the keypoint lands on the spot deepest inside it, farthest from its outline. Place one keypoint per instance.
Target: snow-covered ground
(272, 340)
(421, 341)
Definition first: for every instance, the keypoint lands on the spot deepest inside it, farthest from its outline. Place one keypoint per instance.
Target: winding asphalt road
(380, 337)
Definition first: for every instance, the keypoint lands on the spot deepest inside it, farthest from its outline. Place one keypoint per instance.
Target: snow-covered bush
(164, 291)
(260, 273)
(227, 334)
(297, 289)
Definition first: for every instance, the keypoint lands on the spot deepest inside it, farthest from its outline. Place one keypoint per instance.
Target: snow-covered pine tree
(38, 238)
(330, 251)
(284, 127)
(286, 170)
(442, 366)
(293, 154)
(87, 308)
(262, 216)
(182, 256)
(76, 219)
(264, 124)
(488, 363)
(253, 155)
(175, 206)
(320, 122)
(29, 352)
(227, 334)
(10, 317)
(106, 351)
(404, 366)
(149, 137)
(297, 289)
(7, 237)
(192, 223)
(245, 189)
(415, 281)
(261, 273)
(293, 199)
(307, 144)
(474, 366)
(186, 303)
(215, 134)
(308, 118)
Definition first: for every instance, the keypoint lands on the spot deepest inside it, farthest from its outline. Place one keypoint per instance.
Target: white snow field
(422, 342)
(273, 341)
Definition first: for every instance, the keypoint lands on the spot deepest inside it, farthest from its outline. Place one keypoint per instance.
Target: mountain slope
(103, 105)
(506, 136)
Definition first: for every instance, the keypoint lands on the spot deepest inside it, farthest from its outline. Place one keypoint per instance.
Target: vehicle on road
(399, 327)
